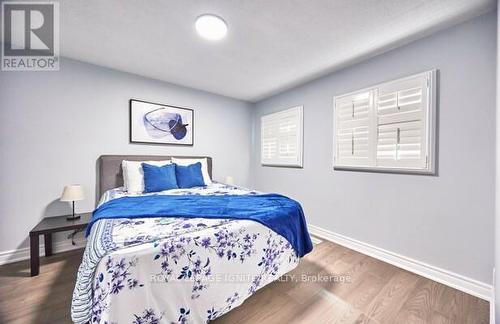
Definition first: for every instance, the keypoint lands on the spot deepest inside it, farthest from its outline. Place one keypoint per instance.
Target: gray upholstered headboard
(110, 174)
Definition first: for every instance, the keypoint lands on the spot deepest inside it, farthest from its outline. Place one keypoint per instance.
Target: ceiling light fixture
(211, 27)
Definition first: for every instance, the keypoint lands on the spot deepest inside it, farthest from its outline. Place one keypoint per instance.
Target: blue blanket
(279, 213)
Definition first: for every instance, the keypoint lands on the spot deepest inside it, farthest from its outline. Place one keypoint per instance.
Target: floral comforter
(175, 270)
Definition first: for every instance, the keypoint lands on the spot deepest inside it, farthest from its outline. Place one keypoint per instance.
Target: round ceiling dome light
(211, 27)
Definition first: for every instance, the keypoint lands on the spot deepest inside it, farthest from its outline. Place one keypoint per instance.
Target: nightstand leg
(34, 255)
(48, 244)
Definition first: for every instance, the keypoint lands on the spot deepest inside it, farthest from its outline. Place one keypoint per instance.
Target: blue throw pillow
(189, 176)
(159, 178)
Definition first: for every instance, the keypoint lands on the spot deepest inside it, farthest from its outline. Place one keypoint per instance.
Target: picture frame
(155, 123)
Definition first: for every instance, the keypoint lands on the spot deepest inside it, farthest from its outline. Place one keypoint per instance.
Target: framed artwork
(155, 123)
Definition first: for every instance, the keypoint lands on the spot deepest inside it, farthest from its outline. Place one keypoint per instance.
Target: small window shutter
(402, 110)
(401, 145)
(402, 101)
(281, 138)
(269, 139)
(354, 129)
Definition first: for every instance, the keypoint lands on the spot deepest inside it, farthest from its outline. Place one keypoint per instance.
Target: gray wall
(447, 220)
(56, 124)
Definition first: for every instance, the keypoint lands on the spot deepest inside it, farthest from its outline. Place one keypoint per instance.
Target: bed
(145, 264)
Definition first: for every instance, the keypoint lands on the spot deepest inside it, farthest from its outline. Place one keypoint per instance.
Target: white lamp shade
(230, 180)
(72, 193)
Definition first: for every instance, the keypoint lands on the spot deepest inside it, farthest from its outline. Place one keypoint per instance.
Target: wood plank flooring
(375, 293)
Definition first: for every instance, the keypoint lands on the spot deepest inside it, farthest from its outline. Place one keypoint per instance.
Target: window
(281, 138)
(387, 127)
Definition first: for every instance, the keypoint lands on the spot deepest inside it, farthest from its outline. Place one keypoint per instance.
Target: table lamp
(73, 193)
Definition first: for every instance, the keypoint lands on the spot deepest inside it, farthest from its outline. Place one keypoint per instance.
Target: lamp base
(73, 217)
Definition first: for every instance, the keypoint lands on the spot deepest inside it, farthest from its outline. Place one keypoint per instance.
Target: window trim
(430, 131)
(300, 163)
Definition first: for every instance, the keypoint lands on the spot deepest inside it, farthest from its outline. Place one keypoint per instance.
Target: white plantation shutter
(281, 138)
(354, 129)
(398, 131)
(402, 110)
(401, 145)
(401, 101)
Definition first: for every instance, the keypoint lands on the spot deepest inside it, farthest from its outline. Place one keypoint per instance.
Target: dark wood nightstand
(46, 227)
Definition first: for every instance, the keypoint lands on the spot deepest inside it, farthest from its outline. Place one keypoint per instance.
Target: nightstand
(46, 227)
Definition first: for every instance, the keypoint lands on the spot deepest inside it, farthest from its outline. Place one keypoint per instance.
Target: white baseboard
(448, 278)
(24, 253)
(315, 240)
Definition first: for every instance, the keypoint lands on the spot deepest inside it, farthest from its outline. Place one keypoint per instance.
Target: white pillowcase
(133, 175)
(204, 167)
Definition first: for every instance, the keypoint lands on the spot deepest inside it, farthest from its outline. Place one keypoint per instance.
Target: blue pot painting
(155, 123)
(160, 123)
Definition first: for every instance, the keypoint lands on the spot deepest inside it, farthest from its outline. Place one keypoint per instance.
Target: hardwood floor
(45, 298)
(374, 292)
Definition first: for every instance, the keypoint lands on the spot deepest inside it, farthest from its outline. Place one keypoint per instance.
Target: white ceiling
(271, 45)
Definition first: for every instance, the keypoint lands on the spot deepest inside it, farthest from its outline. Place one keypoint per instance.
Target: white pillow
(133, 175)
(204, 167)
